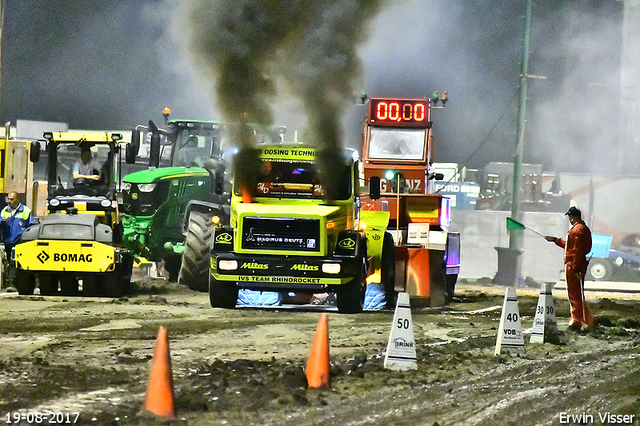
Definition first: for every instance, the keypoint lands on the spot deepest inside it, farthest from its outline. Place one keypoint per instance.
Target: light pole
(509, 260)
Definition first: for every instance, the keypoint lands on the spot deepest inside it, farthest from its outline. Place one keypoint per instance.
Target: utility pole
(509, 259)
(630, 89)
(515, 238)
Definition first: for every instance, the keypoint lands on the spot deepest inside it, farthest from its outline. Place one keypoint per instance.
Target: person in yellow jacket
(16, 217)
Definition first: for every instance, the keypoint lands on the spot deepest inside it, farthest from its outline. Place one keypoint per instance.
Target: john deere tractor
(170, 210)
(80, 239)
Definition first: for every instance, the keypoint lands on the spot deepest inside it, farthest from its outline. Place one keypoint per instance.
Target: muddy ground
(246, 366)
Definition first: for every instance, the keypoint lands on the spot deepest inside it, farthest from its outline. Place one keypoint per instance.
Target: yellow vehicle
(16, 172)
(80, 239)
(16, 175)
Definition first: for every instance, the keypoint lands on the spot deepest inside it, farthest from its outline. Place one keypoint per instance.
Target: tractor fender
(376, 226)
(222, 210)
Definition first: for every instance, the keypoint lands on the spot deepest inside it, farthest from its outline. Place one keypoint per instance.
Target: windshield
(296, 180)
(75, 170)
(194, 146)
(394, 143)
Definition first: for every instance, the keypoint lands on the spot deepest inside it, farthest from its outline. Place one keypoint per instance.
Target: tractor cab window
(194, 146)
(81, 170)
(397, 144)
(297, 180)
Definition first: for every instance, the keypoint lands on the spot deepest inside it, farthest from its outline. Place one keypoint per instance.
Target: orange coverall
(576, 247)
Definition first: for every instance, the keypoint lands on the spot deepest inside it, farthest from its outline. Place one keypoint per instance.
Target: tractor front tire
(222, 294)
(350, 296)
(388, 271)
(194, 271)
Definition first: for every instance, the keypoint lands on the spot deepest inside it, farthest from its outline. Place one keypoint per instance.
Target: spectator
(16, 217)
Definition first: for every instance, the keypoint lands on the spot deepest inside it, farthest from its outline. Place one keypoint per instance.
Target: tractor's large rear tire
(388, 271)
(350, 296)
(222, 294)
(450, 286)
(25, 282)
(194, 272)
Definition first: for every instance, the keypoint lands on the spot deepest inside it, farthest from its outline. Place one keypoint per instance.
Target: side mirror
(154, 150)
(130, 153)
(34, 152)
(132, 148)
(135, 142)
(216, 169)
(374, 187)
(437, 176)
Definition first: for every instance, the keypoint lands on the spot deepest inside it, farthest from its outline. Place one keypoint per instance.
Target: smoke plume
(310, 45)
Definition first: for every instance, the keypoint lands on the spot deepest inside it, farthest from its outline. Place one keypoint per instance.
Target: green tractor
(169, 211)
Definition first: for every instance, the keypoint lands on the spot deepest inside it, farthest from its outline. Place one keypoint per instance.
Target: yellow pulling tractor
(79, 241)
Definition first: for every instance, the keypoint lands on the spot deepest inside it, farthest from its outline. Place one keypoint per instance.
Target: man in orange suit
(576, 247)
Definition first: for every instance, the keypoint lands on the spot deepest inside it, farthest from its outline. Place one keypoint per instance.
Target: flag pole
(520, 226)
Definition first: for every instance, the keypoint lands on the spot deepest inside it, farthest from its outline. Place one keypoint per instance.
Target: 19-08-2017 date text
(40, 418)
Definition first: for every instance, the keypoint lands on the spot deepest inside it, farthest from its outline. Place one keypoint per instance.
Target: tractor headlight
(146, 187)
(105, 203)
(54, 202)
(331, 268)
(228, 265)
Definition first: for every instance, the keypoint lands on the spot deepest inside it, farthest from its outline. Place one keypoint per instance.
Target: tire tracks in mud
(459, 380)
(528, 390)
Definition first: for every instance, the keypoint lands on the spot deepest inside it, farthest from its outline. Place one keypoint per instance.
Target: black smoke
(113, 64)
(248, 47)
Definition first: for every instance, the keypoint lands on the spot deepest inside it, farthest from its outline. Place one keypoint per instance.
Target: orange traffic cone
(318, 367)
(159, 399)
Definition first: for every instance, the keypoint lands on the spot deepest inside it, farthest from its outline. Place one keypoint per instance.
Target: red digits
(407, 112)
(382, 111)
(394, 111)
(401, 112)
(419, 112)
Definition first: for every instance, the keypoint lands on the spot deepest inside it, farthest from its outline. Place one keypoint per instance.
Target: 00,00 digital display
(394, 111)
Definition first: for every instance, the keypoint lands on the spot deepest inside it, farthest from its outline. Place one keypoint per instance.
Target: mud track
(246, 366)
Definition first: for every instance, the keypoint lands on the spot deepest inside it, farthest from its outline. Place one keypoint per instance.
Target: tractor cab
(83, 173)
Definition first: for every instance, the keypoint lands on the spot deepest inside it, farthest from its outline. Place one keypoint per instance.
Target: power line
(484, 141)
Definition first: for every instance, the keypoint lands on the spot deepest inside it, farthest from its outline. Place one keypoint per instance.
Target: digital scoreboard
(399, 112)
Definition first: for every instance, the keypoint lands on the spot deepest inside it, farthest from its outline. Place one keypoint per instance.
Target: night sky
(113, 64)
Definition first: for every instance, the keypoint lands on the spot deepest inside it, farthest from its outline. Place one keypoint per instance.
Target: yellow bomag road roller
(77, 247)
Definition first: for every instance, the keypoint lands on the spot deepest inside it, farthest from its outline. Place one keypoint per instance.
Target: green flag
(513, 225)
